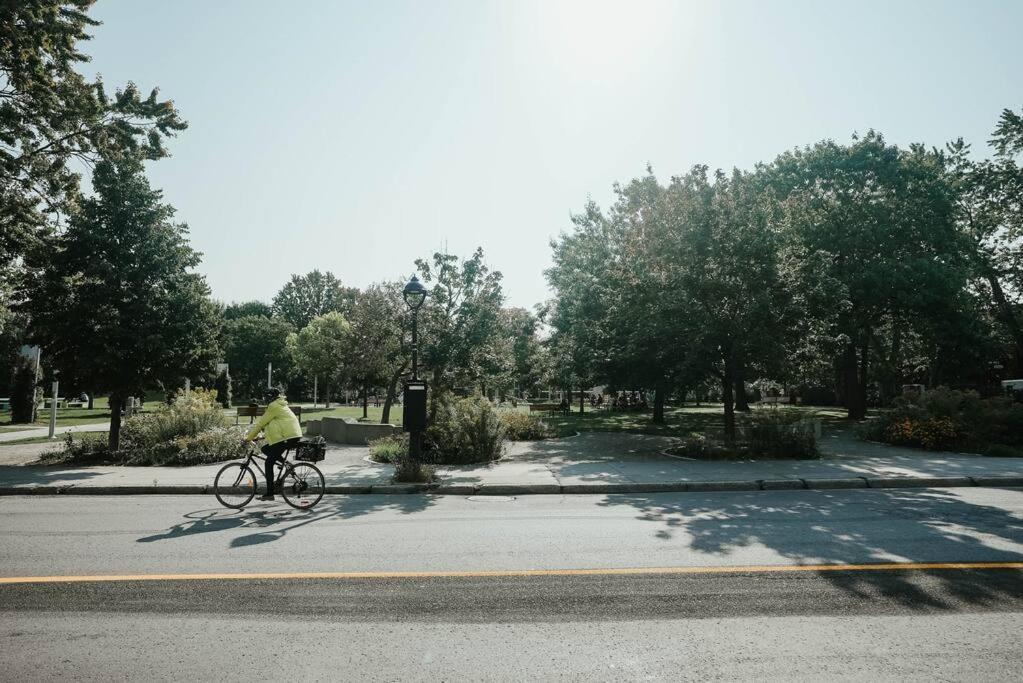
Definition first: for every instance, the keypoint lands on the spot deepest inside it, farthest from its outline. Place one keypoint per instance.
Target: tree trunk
(114, 439)
(392, 392)
(91, 400)
(582, 397)
(727, 385)
(658, 404)
(863, 375)
(365, 400)
(741, 402)
(855, 395)
(1008, 315)
(326, 396)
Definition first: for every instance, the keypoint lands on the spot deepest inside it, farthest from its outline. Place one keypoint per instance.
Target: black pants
(273, 453)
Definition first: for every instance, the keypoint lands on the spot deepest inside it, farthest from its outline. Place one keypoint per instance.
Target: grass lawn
(70, 416)
(354, 412)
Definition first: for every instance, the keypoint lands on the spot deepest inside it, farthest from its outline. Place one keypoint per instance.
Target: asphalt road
(727, 601)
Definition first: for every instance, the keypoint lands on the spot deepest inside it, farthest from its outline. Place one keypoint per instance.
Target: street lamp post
(414, 407)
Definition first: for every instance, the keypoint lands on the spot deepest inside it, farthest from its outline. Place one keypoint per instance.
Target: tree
(319, 348)
(874, 237)
(51, 116)
(250, 343)
(306, 296)
(377, 354)
(118, 308)
(243, 309)
(989, 210)
(459, 317)
(23, 391)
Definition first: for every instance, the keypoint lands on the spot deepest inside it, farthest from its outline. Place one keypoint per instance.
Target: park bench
(252, 412)
(546, 407)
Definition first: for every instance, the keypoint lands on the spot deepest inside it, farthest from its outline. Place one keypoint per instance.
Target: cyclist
(282, 431)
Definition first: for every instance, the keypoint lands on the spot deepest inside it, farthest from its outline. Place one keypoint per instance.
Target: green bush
(389, 448)
(192, 430)
(1000, 450)
(464, 431)
(948, 419)
(778, 434)
(90, 448)
(702, 448)
(520, 426)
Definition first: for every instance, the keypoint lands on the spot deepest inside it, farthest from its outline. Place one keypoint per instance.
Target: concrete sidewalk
(593, 462)
(35, 432)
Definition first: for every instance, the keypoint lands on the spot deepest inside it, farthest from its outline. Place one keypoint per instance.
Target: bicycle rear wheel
(235, 485)
(302, 485)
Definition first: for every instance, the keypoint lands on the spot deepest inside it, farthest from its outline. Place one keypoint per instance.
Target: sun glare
(605, 35)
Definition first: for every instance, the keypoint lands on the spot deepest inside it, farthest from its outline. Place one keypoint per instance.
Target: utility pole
(269, 374)
(53, 406)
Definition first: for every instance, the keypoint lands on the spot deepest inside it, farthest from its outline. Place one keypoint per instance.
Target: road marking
(624, 571)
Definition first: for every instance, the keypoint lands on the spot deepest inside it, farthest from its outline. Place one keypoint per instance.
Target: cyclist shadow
(262, 521)
(217, 519)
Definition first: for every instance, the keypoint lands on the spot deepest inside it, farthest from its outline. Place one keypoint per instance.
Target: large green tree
(377, 355)
(306, 296)
(875, 237)
(52, 117)
(118, 307)
(319, 349)
(460, 316)
(250, 343)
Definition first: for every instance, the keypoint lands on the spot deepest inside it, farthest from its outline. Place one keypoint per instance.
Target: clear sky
(356, 136)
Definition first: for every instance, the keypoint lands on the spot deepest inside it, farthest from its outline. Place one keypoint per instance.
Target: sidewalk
(589, 463)
(34, 432)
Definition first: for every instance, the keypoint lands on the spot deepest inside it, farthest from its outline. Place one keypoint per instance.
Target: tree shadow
(851, 527)
(270, 525)
(41, 475)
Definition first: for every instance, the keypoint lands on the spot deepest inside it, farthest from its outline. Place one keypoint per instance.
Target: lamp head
(414, 293)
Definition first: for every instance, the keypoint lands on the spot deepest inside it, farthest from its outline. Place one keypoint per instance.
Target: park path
(589, 458)
(35, 432)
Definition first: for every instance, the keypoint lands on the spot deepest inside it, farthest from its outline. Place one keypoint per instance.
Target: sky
(356, 137)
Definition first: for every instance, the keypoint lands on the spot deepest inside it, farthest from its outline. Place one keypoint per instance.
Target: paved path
(936, 624)
(35, 432)
(590, 458)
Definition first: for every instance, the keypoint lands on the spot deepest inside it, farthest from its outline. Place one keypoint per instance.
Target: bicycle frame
(283, 465)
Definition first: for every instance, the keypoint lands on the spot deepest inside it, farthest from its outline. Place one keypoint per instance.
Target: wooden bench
(252, 412)
(546, 407)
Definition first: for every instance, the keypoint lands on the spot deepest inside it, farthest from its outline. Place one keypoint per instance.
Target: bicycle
(300, 483)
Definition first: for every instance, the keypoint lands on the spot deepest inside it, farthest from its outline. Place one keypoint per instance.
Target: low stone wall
(348, 431)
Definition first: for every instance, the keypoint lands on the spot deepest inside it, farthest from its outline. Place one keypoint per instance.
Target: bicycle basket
(311, 450)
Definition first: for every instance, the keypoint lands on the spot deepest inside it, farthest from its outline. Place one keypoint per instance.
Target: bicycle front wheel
(302, 486)
(235, 485)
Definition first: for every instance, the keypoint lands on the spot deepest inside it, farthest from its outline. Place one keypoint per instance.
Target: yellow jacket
(278, 422)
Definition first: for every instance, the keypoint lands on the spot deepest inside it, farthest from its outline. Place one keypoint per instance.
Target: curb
(553, 489)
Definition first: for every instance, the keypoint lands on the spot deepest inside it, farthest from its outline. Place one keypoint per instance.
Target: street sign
(414, 411)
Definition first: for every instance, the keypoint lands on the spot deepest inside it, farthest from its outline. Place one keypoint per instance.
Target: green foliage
(52, 119)
(464, 431)
(389, 448)
(779, 434)
(945, 419)
(192, 430)
(314, 294)
(459, 319)
(23, 392)
(250, 343)
(235, 310)
(223, 388)
(319, 348)
(520, 426)
(119, 307)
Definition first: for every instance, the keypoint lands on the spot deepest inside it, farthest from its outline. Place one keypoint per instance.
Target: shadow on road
(873, 526)
(269, 525)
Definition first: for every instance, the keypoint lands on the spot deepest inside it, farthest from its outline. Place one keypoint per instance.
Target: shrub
(90, 448)
(464, 431)
(520, 426)
(23, 392)
(945, 419)
(780, 434)
(1000, 450)
(388, 448)
(702, 448)
(190, 431)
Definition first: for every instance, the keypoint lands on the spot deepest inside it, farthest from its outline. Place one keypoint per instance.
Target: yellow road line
(625, 571)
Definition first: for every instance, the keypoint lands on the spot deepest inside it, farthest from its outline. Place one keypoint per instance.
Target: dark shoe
(267, 496)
